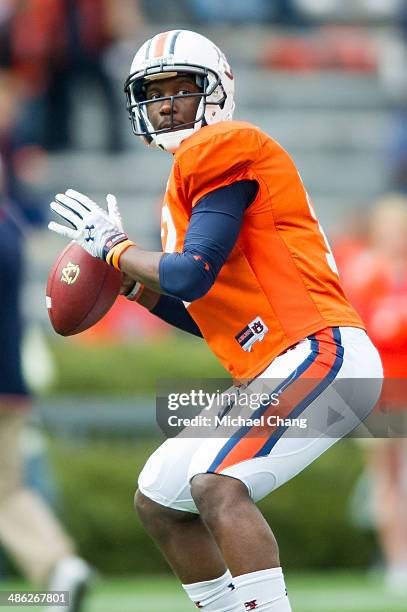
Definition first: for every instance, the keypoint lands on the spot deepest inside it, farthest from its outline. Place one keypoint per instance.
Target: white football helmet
(170, 53)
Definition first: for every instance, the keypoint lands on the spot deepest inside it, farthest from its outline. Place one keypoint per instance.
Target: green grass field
(308, 593)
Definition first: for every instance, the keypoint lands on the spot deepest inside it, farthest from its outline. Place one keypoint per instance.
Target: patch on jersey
(253, 332)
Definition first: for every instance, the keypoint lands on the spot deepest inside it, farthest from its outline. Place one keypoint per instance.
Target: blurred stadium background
(327, 79)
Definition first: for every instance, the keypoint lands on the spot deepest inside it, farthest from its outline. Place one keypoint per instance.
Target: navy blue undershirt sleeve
(212, 233)
(172, 311)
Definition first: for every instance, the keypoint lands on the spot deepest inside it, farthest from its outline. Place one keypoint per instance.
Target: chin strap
(170, 141)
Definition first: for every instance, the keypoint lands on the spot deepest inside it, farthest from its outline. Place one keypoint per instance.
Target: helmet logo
(224, 63)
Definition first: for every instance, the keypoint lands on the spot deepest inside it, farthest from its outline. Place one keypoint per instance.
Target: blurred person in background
(54, 45)
(29, 531)
(375, 278)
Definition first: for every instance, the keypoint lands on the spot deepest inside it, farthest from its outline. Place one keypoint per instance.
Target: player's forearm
(167, 308)
(142, 266)
(182, 275)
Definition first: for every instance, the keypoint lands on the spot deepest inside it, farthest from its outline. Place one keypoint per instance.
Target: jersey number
(329, 256)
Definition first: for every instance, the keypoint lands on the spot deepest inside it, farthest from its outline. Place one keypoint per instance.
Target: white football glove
(94, 229)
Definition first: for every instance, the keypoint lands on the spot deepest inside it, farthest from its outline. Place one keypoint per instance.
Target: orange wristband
(113, 256)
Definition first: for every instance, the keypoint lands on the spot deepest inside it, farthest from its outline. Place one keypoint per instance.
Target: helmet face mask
(137, 104)
(213, 76)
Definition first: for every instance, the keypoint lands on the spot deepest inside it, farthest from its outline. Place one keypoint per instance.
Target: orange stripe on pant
(252, 441)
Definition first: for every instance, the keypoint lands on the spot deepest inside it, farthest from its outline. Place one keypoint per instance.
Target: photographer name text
(236, 421)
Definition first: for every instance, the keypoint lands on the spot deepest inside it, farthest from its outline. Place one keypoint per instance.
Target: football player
(246, 265)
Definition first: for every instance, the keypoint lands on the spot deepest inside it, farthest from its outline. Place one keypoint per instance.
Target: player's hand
(93, 228)
(127, 284)
(130, 288)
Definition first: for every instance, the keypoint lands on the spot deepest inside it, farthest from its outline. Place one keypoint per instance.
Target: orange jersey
(279, 284)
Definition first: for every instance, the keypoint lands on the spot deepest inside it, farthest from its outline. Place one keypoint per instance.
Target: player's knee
(216, 496)
(147, 509)
(158, 519)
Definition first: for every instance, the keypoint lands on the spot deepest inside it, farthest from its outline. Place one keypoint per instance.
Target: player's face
(184, 108)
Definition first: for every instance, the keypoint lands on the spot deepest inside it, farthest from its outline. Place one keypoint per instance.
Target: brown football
(80, 290)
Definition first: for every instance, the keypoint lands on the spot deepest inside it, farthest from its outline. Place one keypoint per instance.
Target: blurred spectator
(28, 529)
(22, 159)
(375, 279)
(349, 244)
(52, 44)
